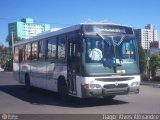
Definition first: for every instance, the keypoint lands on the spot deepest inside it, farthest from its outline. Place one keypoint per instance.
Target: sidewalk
(151, 83)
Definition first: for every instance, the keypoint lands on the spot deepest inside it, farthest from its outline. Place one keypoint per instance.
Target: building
(155, 44)
(26, 28)
(154, 51)
(146, 35)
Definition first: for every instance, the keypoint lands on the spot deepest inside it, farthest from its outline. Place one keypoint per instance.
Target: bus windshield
(110, 55)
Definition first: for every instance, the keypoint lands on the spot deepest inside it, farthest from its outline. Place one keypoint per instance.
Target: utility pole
(12, 44)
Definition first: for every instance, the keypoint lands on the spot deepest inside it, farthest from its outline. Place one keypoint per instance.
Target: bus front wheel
(63, 90)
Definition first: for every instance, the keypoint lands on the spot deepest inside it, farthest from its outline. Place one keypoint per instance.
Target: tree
(142, 60)
(15, 39)
(154, 64)
(9, 65)
(5, 57)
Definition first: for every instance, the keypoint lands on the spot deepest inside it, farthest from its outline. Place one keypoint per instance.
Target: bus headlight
(98, 86)
(135, 84)
(92, 86)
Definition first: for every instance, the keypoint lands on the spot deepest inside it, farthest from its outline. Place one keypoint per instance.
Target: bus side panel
(16, 71)
(51, 81)
(79, 83)
(38, 74)
(24, 68)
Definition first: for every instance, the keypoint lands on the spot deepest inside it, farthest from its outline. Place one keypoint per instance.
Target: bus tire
(27, 82)
(63, 89)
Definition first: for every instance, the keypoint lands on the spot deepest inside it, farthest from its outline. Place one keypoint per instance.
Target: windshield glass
(110, 55)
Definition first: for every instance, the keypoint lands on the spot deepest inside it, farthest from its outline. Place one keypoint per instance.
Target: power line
(40, 22)
(8, 19)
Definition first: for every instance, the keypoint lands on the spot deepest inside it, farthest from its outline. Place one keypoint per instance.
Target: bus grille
(114, 79)
(113, 86)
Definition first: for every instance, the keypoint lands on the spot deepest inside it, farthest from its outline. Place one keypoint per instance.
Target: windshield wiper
(99, 35)
(121, 40)
(118, 64)
(102, 37)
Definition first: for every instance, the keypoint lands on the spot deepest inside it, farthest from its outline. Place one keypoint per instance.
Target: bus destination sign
(108, 29)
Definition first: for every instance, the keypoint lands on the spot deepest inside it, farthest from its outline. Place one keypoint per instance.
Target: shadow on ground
(44, 97)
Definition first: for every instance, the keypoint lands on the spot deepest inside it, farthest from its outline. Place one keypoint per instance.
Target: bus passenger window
(41, 50)
(35, 51)
(16, 52)
(62, 49)
(52, 48)
(28, 52)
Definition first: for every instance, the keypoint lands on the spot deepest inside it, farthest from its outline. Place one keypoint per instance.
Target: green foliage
(9, 65)
(142, 59)
(15, 39)
(5, 54)
(154, 64)
(156, 79)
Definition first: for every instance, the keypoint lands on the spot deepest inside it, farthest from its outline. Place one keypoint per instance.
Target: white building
(146, 35)
(26, 28)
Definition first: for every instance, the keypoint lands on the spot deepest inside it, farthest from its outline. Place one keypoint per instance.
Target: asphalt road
(14, 98)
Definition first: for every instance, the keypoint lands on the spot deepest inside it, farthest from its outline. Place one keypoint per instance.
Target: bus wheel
(27, 82)
(63, 90)
(109, 97)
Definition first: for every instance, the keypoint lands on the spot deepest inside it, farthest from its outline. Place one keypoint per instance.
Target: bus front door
(71, 68)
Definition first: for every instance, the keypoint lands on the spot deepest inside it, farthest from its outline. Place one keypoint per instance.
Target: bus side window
(34, 51)
(21, 52)
(16, 54)
(41, 50)
(28, 52)
(62, 48)
(52, 48)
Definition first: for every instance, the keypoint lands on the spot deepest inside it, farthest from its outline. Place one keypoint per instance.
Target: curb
(151, 84)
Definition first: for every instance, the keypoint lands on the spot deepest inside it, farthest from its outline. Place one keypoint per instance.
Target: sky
(63, 13)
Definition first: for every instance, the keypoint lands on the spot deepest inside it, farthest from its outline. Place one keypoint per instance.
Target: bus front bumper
(108, 92)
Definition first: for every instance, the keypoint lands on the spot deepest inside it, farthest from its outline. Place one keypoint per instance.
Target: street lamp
(148, 67)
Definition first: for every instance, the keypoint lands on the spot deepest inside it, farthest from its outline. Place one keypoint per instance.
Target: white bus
(84, 60)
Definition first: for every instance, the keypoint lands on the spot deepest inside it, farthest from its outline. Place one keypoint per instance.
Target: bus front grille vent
(114, 79)
(113, 86)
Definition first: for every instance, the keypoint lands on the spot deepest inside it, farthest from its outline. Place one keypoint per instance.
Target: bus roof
(49, 34)
(54, 32)
(103, 23)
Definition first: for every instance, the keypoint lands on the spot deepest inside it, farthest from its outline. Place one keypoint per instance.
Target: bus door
(71, 67)
(20, 64)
